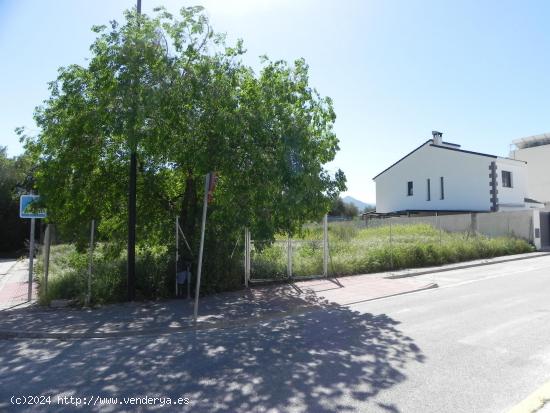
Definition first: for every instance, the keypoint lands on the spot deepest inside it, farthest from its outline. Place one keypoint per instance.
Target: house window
(409, 188)
(428, 194)
(506, 179)
(441, 188)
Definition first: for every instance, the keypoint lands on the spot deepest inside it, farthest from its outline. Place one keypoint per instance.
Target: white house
(535, 150)
(440, 176)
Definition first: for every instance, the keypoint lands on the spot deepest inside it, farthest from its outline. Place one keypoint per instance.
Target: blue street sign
(26, 208)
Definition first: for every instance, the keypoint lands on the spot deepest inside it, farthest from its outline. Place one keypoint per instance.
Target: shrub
(356, 250)
(352, 251)
(68, 275)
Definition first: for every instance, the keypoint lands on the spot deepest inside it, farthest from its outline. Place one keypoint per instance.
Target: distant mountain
(359, 204)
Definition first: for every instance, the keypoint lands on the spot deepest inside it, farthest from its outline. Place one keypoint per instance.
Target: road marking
(458, 284)
(534, 402)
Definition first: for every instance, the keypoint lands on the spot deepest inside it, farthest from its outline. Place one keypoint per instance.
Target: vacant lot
(353, 250)
(357, 250)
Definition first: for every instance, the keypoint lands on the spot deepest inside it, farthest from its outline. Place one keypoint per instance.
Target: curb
(66, 336)
(430, 286)
(534, 401)
(461, 267)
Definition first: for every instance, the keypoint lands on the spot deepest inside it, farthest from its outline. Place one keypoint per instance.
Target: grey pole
(246, 257)
(188, 282)
(289, 257)
(391, 247)
(248, 253)
(245, 261)
(201, 248)
(325, 245)
(47, 242)
(132, 212)
(91, 258)
(439, 225)
(31, 258)
(177, 253)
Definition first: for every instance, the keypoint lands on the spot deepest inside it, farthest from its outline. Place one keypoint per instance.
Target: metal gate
(545, 229)
(278, 260)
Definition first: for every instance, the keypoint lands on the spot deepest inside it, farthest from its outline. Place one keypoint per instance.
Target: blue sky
(479, 71)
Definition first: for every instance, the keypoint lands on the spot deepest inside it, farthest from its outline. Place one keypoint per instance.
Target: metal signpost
(28, 210)
(47, 242)
(325, 246)
(209, 186)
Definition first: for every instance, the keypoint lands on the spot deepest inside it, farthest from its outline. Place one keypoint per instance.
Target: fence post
(89, 293)
(249, 245)
(438, 219)
(289, 257)
(325, 246)
(47, 242)
(391, 246)
(246, 256)
(439, 226)
(245, 260)
(531, 230)
(178, 255)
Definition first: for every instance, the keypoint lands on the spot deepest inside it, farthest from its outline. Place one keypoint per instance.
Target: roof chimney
(437, 137)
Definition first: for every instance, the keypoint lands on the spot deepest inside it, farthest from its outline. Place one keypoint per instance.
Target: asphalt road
(480, 343)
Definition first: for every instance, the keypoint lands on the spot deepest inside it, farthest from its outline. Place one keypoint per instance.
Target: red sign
(213, 180)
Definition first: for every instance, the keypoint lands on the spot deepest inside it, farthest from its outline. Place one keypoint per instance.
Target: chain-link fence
(340, 247)
(324, 249)
(288, 258)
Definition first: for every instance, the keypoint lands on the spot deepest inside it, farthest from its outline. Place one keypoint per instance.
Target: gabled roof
(406, 156)
(464, 151)
(448, 146)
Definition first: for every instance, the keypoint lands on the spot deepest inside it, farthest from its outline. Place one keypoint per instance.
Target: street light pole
(132, 210)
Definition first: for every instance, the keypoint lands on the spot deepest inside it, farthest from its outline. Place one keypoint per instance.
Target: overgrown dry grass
(356, 250)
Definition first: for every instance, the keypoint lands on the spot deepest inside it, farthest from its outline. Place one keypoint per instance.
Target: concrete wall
(521, 224)
(515, 223)
(537, 158)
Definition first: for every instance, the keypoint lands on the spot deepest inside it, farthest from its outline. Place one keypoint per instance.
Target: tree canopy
(174, 90)
(14, 179)
(340, 208)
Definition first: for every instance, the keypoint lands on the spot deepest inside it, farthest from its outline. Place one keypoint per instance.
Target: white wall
(511, 198)
(466, 178)
(522, 224)
(538, 159)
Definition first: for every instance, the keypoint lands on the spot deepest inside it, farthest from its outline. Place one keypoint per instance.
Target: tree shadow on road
(328, 359)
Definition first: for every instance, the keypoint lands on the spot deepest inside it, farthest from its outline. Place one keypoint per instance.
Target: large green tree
(176, 92)
(15, 178)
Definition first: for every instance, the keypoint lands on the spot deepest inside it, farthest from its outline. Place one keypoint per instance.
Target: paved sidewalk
(19, 319)
(218, 311)
(14, 284)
